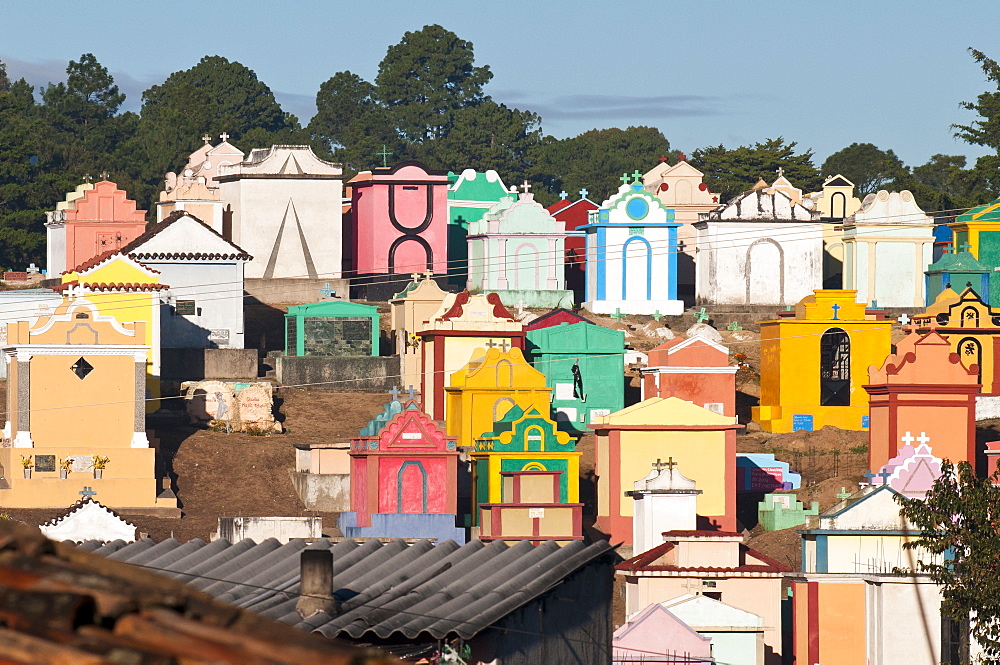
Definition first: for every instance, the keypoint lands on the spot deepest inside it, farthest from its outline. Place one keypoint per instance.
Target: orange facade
(104, 219)
(696, 370)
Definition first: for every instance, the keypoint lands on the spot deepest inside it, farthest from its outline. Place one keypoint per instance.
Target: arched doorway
(835, 368)
(970, 352)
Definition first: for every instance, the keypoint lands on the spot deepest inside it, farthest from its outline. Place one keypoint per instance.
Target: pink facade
(400, 220)
(409, 467)
(694, 369)
(103, 220)
(655, 635)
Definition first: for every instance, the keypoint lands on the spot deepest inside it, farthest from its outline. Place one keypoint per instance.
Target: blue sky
(824, 74)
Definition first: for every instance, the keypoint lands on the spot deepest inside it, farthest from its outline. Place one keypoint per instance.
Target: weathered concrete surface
(365, 373)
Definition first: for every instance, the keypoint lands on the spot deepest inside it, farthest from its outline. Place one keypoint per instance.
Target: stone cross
(907, 439)
(326, 291)
(412, 393)
(618, 316)
(206, 138)
(520, 307)
(32, 268)
(701, 316)
(734, 326)
(923, 438)
(384, 155)
(903, 319)
(395, 392)
(104, 175)
(525, 186)
(87, 178)
(563, 195)
(583, 193)
(87, 491)
(224, 136)
(844, 494)
(836, 310)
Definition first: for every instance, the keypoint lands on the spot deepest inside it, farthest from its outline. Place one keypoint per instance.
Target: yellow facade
(794, 393)
(129, 293)
(487, 387)
(76, 387)
(970, 326)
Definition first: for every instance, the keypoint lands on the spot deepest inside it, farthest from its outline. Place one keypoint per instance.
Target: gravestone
(237, 405)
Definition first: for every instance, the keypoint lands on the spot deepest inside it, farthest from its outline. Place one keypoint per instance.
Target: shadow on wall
(265, 326)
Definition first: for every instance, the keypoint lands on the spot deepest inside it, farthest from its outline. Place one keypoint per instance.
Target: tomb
(632, 254)
(665, 500)
(554, 318)
(470, 195)
(681, 188)
(530, 509)
(195, 190)
(922, 393)
(128, 291)
(400, 225)
(332, 328)
(737, 636)
(814, 363)
(492, 383)
(93, 220)
(516, 250)
(912, 472)
(760, 248)
(284, 204)
(955, 268)
(702, 442)
(655, 630)
(584, 365)
(238, 407)
(261, 529)
(322, 476)
(88, 520)
(855, 577)
(410, 309)
(763, 472)
(403, 477)
(462, 324)
(76, 395)
(835, 202)
(978, 231)
(573, 215)
(783, 511)
(888, 244)
(695, 369)
(203, 306)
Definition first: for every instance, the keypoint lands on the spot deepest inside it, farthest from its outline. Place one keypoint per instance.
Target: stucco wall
(348, 373)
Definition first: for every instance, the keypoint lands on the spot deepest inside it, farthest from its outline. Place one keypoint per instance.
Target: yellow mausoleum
(813, 364)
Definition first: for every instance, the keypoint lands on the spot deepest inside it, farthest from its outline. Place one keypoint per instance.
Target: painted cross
(618, 316)
(869, 476)
(701, 316)
(583, 193)
(326, 291)
(625, 179)
(657, 316)
(885, 475)
(415, 276)
(964, 246)
(780, 171)
(520, 307)
(428, 274)
(875, 305)
(491, 344)
(384, 155)
(907, 439)
(87, 491)
(504, 346)
(412, 393)
(636, 176)
(734, 326)
(563, 195)
(923, 438)
(836, 310)
(224, 136)
(903, 319)
(844, 494)
(207, 139)
(395, 392)
(525, 186)
(669, 464)
(663, 158)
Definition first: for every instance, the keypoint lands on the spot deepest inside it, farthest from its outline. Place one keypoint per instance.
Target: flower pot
(27, 473)
(64, 474)
(98, 473)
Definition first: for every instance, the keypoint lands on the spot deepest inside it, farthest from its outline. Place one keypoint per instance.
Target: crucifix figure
(525, 186)
(87, 491)
(395, 392)
(206, 138)
(384, 155)
(224, 136)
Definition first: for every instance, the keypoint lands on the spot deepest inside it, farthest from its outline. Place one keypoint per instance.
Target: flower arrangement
(26, 462)
(66, 464)
(100, 462)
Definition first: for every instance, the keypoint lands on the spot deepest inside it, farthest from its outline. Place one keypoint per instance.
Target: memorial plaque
(346, 336)
(82, 463)
(220, 336)
(564, 391)
(536, 513)
(45, 463)
(185, 307)
(255, 405)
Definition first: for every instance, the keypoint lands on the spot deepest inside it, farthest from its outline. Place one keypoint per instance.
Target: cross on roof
(504, 345)
(86, 177)
(869, 476)
(428, 274)
(412, 393)
(525, 186)
(491, 344)
(780, 171)
(563, 195)
(104, 175)
(964, 246)
(87, 491)
(885, 475)
(836, 310)
(583, 193)
(206, 138)
(923, 438)
(669, 464)
(907, 439)
(903, 319)
(384, 155)
(395, 392)
(415, 276)
(636, 176)
(625, 179)
(224, 136)
(326, 291)
(663, 158)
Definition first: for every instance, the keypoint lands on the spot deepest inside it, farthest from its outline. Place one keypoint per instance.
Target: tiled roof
(98, 260)
(130, 248)
(386, 590)
(63, 605)
(111, 286)
(645, 561)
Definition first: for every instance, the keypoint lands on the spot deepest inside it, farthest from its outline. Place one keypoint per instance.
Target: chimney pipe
(316, 584)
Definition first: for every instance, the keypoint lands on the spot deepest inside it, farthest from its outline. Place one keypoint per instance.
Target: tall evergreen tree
(731, 172)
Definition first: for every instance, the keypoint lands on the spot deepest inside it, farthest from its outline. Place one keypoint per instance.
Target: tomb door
(525, 268)
(637, 259)
(411, 488)
(970, 351)
(835, 368)
(838, 205)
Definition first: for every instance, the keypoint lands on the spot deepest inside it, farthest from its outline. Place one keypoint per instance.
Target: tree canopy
(730, 172)
(867, 166)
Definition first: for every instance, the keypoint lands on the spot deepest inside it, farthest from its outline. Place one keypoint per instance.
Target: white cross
(903, 319)
(923, 438)
(224, 136)
(207, 139)
(525, 186)
(780, 171)
(908, 439)
(520, 307)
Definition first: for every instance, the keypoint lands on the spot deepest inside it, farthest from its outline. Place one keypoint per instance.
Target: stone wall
(292, 291)
(326, 492)
(197, 364)
(348, 373)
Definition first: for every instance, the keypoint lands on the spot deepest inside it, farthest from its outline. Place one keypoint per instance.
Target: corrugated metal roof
(385, 589)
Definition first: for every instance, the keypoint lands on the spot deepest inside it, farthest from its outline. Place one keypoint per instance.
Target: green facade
(332, 328)
(958, 269)
(599, 385)
(470, 195)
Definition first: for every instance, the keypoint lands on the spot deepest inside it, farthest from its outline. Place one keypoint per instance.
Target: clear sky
(824, 74)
